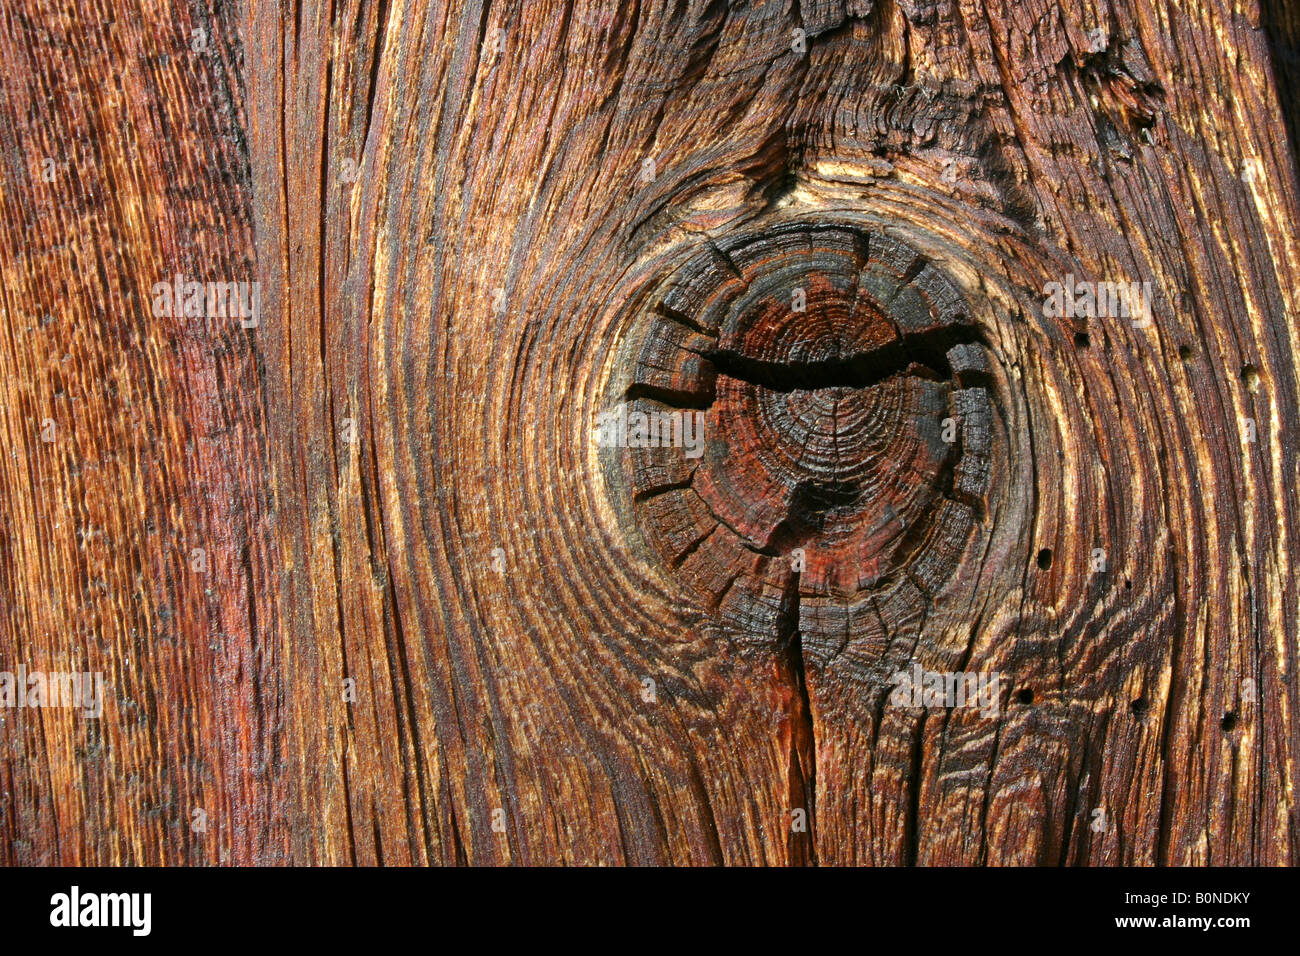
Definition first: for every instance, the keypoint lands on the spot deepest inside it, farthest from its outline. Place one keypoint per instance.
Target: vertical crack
(803, 741)
(912, 826)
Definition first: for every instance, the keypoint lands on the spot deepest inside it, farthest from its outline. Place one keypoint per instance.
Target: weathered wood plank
(441, 624)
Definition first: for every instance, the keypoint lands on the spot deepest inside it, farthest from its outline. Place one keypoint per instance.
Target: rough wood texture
(433, 620)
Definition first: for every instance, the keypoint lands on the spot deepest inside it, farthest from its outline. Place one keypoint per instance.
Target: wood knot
(808, 415)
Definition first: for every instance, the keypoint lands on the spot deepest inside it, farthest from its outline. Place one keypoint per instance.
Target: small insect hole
(1026, 696)
(1229, 722)
(1044, 559)
(1250, 378)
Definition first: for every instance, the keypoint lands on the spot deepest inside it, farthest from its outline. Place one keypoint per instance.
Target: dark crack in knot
(859, 371)
(848, 442)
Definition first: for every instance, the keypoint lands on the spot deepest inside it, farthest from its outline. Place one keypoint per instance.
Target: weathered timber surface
(364, 586)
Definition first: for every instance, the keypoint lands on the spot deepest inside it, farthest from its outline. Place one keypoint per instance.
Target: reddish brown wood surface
(363, 584)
